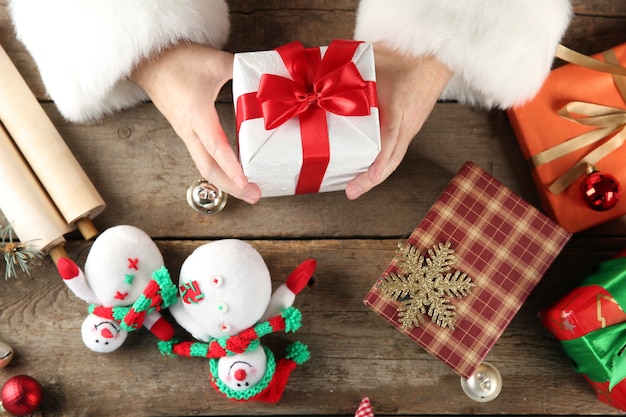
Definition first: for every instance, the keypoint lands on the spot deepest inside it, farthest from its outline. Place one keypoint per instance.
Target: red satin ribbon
(332, 83)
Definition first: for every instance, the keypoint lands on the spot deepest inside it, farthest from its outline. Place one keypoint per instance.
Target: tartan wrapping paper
(502, 242)
(365, 409)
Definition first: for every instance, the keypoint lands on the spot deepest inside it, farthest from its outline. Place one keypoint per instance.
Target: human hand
(183, 83)
(408, 89)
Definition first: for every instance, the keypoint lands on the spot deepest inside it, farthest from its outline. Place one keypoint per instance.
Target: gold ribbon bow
(607, 121)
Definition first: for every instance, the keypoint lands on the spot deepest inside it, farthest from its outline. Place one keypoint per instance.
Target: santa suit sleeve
(500, 52)
(86, 50)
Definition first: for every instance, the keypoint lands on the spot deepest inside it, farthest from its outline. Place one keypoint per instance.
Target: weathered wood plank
(142, 170)
(605, 8)
(354, 352)
(137, 163)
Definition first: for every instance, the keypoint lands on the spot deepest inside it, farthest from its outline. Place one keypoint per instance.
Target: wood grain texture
(354, 352)
(142, 171)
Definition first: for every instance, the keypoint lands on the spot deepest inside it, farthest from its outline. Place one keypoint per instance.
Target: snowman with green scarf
(126, 283)
(227, 304)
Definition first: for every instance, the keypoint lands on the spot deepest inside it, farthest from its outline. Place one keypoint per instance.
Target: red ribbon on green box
(599, 354)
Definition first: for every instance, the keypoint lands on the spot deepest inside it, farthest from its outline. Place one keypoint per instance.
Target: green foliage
(16, 254)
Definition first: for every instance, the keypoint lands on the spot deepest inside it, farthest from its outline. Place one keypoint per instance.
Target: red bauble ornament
(601, 191)
(21, 395)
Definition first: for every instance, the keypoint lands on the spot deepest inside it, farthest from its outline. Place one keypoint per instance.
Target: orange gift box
(539, 126)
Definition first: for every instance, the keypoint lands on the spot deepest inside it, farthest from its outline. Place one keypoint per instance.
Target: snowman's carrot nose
(240, 374)
(106, 333)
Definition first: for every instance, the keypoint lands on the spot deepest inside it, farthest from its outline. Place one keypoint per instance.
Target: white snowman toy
(126, 283)
(227, 304)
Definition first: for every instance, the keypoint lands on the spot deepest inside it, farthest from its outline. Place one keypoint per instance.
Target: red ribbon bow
(332, 83)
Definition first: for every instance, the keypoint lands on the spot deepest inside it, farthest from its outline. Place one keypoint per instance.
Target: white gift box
(273, 158)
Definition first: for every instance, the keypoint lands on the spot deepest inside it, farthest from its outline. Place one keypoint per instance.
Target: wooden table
(142, 170)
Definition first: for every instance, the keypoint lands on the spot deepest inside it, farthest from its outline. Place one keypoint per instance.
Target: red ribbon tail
(315, 150)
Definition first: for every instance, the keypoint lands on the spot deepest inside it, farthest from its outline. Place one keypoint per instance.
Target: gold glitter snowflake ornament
(425, 285)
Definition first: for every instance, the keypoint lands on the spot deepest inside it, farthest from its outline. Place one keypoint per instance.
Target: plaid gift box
(590, 324)
(577, 118)
(500, 241)
(307, 118)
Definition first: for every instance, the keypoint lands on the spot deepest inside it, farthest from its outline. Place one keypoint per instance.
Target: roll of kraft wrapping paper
(26, 205)
(46, 152)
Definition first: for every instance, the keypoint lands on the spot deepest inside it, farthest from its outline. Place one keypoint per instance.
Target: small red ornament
(21, 395)
(600, 191)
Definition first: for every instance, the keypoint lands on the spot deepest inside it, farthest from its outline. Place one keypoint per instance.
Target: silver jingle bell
(484, 385)
(204, 197)
(6, 354)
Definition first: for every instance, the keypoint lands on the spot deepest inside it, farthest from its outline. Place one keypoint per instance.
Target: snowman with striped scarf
(227, 304)
(126, 283)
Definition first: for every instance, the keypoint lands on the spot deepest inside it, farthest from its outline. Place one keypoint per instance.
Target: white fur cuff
(499, 51)
(85, 50)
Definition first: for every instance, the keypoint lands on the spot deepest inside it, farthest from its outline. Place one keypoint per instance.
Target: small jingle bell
(206, 198)
(484, 384)
(21, 395)
(600, 191)
(6, 354)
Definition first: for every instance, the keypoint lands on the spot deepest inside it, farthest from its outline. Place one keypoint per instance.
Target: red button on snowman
(126, 282)
(226, 303)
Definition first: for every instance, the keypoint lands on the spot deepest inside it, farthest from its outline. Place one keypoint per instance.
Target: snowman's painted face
(243, 371)
(102, 335)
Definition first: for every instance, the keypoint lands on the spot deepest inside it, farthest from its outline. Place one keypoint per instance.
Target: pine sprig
(15, 253)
